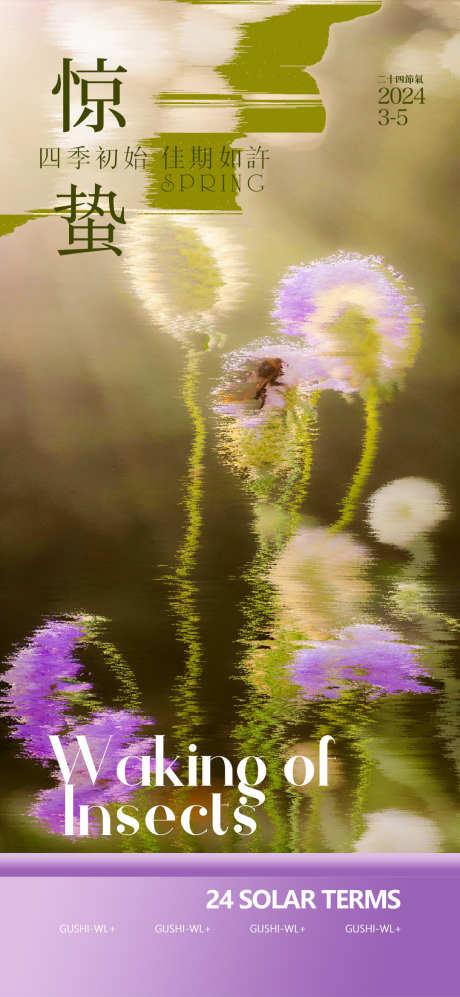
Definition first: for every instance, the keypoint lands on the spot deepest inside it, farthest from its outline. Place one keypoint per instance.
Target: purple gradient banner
(229, 926)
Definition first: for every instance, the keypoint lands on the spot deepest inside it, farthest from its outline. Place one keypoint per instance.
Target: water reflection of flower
(271, 523)
(367, 654)
(187, 273)
(115, 728)
(44, 698)
(356, 312)
(399, 831)
(406, 509)
(42, 677)
(321, 580)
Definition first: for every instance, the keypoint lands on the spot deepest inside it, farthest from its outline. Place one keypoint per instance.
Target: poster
(230, 687)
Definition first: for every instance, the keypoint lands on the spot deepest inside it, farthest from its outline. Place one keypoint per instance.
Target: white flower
(405, 509)
(321, 579)
(399, 831)
(188, 274)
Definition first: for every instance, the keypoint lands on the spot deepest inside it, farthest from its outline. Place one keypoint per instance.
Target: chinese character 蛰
(92, 232)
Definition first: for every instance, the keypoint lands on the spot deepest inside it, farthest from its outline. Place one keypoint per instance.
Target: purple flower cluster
(365, 653)
(304, 287)
(43, 679)
(121, 727)
(42, 676)
(314, 298)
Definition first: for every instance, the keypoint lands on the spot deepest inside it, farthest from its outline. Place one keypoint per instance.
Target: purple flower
(369, 654)
(122, 728)
(258, 380)
(42, 677)
(354, 310)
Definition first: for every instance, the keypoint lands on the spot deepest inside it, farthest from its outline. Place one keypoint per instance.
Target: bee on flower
(359, 318)
(264, 400)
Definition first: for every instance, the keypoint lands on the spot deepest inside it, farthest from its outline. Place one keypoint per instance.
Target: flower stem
(128, 694)
(364, 468)
(183, 599)
(294, 821)
(357, 819)
(295, 488)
